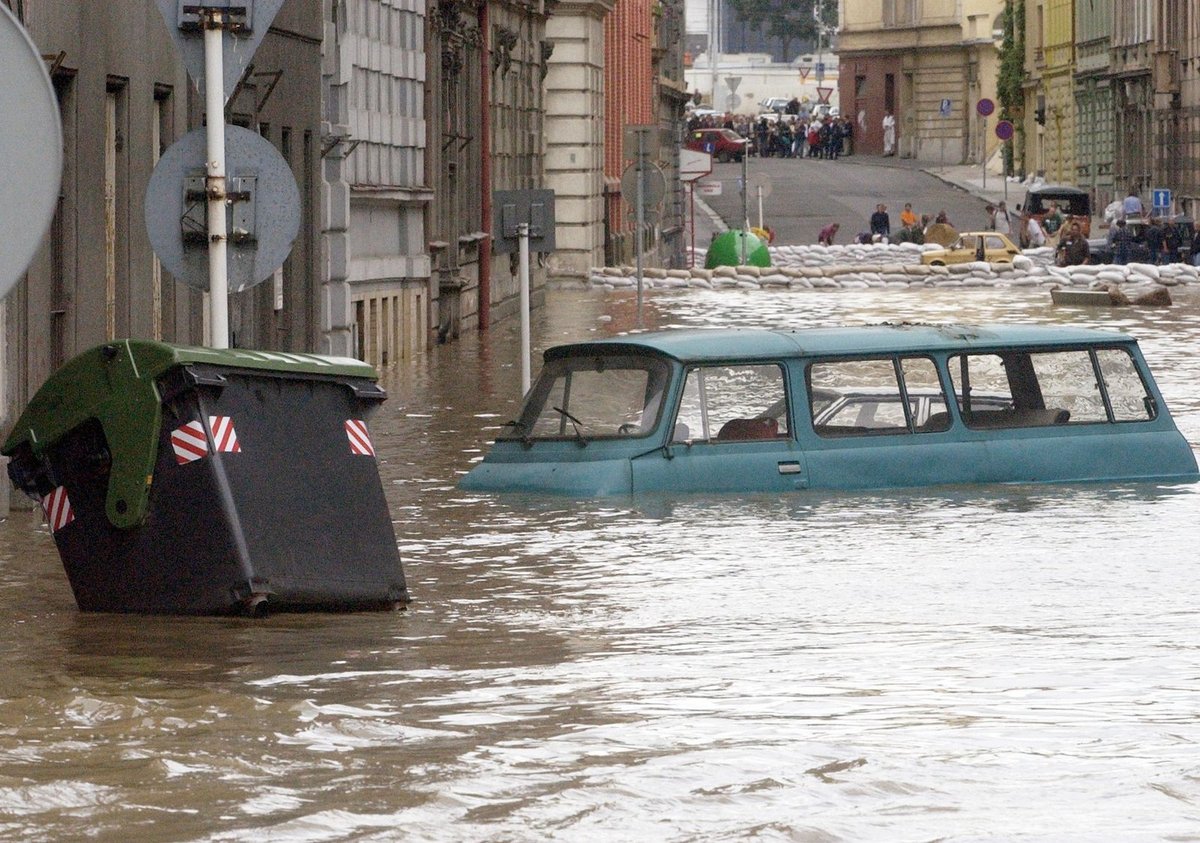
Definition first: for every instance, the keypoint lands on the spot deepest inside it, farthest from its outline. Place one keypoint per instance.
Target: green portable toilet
(201, 481)
(727, 250)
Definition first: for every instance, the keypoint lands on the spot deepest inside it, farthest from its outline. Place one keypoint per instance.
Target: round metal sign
(30, 147)
(761, 185)
(654, 186)
(263, 209)
(985, 107)
(1005, 130)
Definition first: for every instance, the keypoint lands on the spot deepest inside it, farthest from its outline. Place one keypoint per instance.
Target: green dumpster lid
(115, 384)
(735, 247)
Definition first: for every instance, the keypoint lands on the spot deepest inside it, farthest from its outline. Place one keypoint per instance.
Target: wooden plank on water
(1087, 298)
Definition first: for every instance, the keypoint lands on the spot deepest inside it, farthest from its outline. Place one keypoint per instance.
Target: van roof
(700, 345)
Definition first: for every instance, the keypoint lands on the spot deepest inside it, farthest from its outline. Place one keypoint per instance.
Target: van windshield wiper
(579, 437)
(521, 429)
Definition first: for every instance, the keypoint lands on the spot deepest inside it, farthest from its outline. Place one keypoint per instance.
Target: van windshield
(593, 397)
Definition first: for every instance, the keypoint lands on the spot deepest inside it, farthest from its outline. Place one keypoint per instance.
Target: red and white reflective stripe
(189, 443)
(360, 442)
(58, 509)
(224, 436)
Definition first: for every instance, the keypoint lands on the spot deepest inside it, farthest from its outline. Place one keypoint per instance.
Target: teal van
(876, 407)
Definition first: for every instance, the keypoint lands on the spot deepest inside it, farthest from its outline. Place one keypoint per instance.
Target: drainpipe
(485, 170)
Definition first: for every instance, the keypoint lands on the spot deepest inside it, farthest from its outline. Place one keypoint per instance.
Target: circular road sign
(761, 182)
(265, 216)
(1005, 130)
(654, 186)
(985, 107)
(30, 147)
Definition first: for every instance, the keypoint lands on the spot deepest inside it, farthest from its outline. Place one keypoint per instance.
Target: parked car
(990, 246)
(723, 144)
(775, 104)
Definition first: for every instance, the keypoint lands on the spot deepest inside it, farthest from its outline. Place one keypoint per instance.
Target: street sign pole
(745, 202)
(983, 149)
(692, 201)
(523, 272)
(215, 183)
(641, 216)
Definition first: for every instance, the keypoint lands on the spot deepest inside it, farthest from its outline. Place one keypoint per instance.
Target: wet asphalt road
(807, 194)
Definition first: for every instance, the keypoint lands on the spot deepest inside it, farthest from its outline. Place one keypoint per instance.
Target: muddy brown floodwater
(1008, 663)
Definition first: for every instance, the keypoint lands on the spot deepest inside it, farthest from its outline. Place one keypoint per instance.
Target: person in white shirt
(1034, 233)
(1132, 206)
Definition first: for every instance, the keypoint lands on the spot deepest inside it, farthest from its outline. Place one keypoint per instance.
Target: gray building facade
(124, 98)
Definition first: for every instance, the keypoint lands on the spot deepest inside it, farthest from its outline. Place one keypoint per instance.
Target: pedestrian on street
(907, 218)
(1120, 239)
(1155, 237)
(1035, 237)
(990, 210)
(825, 238)
(881, 223)
(1073, 249)
(1003, 222)
(889, 134)
(1194, 252)
(1132, 206)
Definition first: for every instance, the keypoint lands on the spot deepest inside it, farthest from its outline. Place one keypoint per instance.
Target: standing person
(889, 134)
(907, 218)
(1015, 226)
(990, 210)
(1053, 220)
(1194, 253)
(1154, 240)
(800, 140)
(1003, 221)
(1120, 238)
(825, 238)
(814, 139)
(1035, 237)
(881, 223)
(1073, 249)
(1132, 206)
(847, 135)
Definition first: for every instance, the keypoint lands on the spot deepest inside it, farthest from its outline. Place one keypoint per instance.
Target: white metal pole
(760, 208)
(641, 217)
(218, 241)
(523, 271)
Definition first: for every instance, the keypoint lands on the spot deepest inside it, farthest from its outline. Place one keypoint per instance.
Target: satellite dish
(30, 147)
(263, 210)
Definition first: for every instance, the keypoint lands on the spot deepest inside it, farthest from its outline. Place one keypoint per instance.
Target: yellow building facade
(927, 63)
(1050, 110)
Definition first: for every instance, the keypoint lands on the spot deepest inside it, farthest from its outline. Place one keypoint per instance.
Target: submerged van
(875, 407)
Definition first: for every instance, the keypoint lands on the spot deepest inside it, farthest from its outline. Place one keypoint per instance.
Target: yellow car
(990, 246)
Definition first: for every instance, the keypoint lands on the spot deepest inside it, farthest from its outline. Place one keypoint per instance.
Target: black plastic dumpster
(199, 481)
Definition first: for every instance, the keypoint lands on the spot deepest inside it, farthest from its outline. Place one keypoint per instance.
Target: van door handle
(790, 467)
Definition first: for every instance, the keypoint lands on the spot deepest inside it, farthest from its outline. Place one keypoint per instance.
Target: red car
(723, 144)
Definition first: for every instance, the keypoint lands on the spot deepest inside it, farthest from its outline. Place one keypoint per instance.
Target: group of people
(911, 229)
(792, 134)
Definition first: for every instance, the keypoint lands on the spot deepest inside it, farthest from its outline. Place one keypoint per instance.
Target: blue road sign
(1162, 198)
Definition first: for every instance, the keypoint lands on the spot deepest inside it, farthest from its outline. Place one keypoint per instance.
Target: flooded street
(1009, 663)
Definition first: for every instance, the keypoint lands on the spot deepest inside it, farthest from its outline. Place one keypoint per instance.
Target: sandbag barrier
(894, 265)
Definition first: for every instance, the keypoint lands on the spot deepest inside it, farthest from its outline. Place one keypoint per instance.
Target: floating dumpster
(200, 481)
(737, 248)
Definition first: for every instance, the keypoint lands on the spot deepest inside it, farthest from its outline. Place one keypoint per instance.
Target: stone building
(926, 62)
(1094, 149)
(644, 86)
(575, 133)
(378, 290)
(124, 98)
(1050, 89)
(1176, 82)
(486, 63)
(1131, 69)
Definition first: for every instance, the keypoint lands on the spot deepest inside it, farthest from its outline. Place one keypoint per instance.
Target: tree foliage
(789, 21)
(1012, 74)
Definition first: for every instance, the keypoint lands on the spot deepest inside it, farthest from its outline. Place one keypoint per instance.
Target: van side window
(864, 397)
(733, 403)
(1026, 389)
(1126, 390)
